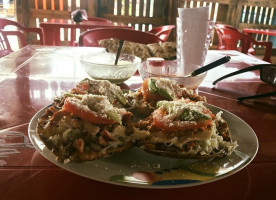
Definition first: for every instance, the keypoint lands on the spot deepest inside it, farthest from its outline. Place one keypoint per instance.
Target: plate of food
(161, 136)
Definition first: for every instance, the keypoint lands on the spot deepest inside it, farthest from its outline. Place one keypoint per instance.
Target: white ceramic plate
(135, 168)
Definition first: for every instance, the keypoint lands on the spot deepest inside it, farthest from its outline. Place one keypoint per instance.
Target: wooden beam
(223, 11)
(269, 3)
(73, 5)
(57, 5)
(22, 12)
(181, 2)
(258, 26)
(136, 20)
(172, 12)
(133, 8)
(92, 8)
(65, 5)
(50, 14)
(84, 4)
(236, 15)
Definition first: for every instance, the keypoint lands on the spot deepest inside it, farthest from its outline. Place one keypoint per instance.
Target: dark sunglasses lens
(268, 74)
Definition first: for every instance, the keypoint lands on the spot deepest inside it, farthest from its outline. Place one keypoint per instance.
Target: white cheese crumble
(167, 85)
(96, 103)
(176, 108)
(103, 87)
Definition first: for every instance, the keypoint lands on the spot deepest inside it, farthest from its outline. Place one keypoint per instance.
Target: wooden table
(52, 28)
(31, 77)
(260, 31)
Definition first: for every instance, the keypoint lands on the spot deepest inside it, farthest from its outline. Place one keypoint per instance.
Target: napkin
(192, 38)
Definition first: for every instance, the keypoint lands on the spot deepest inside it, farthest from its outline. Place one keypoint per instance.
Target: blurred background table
(52, 28)
(271, 32)
(31, 77)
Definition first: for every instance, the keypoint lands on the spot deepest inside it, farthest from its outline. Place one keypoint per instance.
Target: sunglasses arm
(257, 96)
(252, 68)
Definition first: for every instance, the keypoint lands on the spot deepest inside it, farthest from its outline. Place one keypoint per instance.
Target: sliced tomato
(148, 95)
(167, 125)
(89, 116)
(82, 88)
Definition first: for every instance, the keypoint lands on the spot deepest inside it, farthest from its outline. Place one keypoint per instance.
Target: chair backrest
(228, 37)
(21, 31)
(91, 37)
(5, 47)
(162, 31)
(99, 19)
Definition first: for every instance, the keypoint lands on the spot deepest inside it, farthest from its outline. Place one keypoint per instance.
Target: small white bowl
(169, 71)
(101, 66)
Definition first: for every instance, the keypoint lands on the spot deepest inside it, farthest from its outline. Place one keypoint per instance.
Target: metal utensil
(209, 66)
(121, 43)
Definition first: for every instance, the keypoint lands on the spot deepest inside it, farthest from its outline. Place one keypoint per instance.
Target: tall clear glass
(193, 41)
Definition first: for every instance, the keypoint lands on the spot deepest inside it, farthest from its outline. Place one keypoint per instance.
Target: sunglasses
(267, 75)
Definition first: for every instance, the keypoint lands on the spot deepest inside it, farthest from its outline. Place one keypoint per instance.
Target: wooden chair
(91, 37)
(21, 31)
(229, 36)
(162, 31)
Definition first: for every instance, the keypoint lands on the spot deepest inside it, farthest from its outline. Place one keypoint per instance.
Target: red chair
(21, 31)
(91, 37)
(5, 47)
(229, 36)
(98, 19)
(162, 31)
